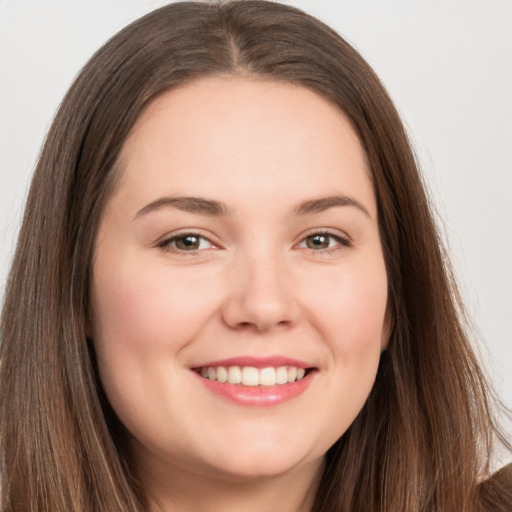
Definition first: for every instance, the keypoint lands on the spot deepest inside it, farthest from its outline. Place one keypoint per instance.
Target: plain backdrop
(447, 65)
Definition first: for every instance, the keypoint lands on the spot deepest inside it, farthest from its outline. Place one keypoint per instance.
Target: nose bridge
(261, 291)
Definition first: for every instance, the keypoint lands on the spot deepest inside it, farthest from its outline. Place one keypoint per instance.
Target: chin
(262, 462)
(258, 468)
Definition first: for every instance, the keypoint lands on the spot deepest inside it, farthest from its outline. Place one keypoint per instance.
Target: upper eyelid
(173, 236)
(336, 233)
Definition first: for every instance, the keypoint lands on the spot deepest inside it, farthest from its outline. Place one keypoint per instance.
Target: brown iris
(318, 241)
(188, 242)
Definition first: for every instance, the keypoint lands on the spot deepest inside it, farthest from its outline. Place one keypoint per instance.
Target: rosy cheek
(129, 316)
(355, 312)
(144, 309)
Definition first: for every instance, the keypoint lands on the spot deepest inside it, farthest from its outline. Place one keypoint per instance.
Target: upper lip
(256, 362)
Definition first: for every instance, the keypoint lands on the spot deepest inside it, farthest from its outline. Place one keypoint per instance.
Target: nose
(260, 296)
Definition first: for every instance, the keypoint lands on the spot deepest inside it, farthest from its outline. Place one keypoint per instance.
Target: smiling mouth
(251, 376)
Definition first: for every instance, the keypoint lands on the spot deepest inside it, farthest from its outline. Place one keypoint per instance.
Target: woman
(229, 292)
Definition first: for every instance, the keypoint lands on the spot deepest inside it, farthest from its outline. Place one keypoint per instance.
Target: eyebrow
(187, 204)
(324, 203)
(215, 208)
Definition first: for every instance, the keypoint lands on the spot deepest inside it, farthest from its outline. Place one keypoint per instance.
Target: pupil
(188, 242)
(318, 242)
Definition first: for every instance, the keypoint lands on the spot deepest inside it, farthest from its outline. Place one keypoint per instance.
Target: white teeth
(282, 375)
(234, 375)
(222, 374)
(251, 376)
(268, 377)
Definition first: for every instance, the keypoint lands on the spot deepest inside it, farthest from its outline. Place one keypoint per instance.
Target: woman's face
(240, 243)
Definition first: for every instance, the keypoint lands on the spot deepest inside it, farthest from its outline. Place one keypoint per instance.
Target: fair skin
(259, 271)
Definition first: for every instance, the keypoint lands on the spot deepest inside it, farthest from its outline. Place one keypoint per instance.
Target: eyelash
(166, 244)
(342, 242)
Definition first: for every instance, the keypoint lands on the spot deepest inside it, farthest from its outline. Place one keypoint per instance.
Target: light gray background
(447, 65)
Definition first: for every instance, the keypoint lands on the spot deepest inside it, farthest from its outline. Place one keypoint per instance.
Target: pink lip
(261, 396)
(257, 362)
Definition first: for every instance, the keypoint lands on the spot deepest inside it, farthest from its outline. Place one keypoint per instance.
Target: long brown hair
(423, 440)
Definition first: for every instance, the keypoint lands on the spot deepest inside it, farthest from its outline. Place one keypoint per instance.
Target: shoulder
(495, 493)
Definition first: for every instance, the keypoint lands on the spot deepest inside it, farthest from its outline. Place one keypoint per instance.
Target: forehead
(239, 137)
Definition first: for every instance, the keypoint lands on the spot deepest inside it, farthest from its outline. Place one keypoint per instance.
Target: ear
(387, 328)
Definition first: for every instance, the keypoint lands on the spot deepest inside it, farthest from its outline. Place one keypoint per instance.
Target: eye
(186, 242)
(324, 241)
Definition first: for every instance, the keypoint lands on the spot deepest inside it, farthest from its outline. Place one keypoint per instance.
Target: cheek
(356, 340)
(144, 310)
(362, 318)
(143, 317)
(352, 313)
(348, 308)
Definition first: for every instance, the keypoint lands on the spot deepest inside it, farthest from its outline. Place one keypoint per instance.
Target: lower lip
(262, 396)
